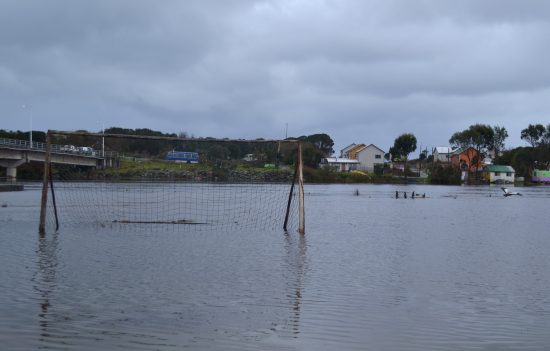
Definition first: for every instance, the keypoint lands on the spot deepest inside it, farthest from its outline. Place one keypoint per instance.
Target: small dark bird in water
(412, 195)
(397, 194)
(424, 195)
(4, 205)
(405, 194)
(356, 192)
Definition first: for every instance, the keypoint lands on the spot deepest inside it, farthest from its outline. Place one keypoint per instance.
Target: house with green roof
(499, 174)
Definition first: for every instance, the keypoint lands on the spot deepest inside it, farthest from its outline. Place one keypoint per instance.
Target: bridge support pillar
(11, 169)
(11, 174)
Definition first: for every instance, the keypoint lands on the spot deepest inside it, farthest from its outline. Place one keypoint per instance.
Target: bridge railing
(26, 144)
(68, 149)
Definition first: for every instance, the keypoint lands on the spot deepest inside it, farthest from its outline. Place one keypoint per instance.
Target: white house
(344, 153)
(443, 154)
(369, 156)
(500, 174)
(339, 164)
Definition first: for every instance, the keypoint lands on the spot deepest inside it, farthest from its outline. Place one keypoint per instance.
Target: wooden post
(290, 196)
(45, 181)
(53, 200)
(301, 224)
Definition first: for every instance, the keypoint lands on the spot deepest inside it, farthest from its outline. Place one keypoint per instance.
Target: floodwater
(463, 269)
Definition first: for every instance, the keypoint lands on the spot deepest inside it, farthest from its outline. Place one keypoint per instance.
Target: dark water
(465, 269)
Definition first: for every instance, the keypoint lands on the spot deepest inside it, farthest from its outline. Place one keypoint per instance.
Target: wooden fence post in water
(45, 181)
(301, 224)
(53, 199)
(290, 196)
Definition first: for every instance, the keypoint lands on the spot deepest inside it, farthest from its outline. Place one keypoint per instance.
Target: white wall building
(500, 174)
(442, 154)
(344, 153)
(339, 164)
(369, 156)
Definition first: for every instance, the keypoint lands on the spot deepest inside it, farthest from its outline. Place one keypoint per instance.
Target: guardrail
(23, 144)
(27, 144)
(40, 146)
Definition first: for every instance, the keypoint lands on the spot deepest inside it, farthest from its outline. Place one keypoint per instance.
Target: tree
(322, 142)
(533, 134)
(402, 147)
(546, 136)
(522, 159)
(526, 159)
(500, 134)
(217, 152)
(314, 148)
(423, 156)
(480, 137)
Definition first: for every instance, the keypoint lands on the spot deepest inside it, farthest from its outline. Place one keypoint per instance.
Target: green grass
(137, 166)
(159, 165)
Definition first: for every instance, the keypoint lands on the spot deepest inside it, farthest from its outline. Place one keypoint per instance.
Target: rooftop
(443, 149)
(500, 168)
(340, 160)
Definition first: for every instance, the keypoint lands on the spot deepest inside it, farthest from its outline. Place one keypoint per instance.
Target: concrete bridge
(14, 153)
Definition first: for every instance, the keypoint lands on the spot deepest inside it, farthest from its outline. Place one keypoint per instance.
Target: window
(508, 174)
(377, 156)
(497, 174)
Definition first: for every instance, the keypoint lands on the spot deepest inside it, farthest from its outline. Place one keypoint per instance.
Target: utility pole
(103, 144)
(286, 130)
(30, 119)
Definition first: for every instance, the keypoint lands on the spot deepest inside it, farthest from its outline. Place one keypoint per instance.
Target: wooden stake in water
(45, 181)
(53, 199)
(290, 196)
(302, 220)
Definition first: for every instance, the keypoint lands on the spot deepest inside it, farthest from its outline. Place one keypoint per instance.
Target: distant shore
(11, 187)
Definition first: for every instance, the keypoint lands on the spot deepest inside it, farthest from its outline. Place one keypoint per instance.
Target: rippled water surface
(463, 269)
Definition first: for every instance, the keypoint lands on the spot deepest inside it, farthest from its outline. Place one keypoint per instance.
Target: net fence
(171, 184)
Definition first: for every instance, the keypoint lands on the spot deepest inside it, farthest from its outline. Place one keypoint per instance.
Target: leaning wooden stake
(45, 181)
(301, 224)
(290, 194)
(53, 200)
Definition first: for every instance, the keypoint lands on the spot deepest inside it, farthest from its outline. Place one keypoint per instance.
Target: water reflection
(297, 267)
(45, 280)
(435, 274)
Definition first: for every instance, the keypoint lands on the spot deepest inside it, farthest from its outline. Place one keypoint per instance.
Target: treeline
(487, 141)
(491, 140)
(526, 159)
(315, 146)
(36, 135)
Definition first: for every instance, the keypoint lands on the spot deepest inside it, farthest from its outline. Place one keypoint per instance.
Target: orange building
(467, 159)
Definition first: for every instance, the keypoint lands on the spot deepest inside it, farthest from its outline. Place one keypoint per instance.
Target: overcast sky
(360, 71)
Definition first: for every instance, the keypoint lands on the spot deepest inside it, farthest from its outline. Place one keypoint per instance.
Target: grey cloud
(357, 70)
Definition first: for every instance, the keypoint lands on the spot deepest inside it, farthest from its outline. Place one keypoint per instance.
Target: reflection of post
(297, 264)
(45, 279)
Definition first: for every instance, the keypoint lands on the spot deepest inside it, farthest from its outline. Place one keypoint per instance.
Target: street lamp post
(30, 119)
